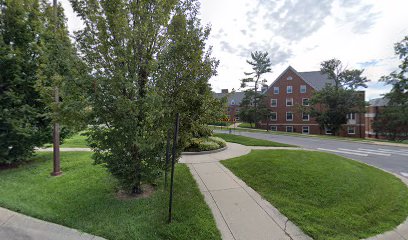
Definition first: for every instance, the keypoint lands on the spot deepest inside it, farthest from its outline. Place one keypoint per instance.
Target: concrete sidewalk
(16, 226)
(239, 211)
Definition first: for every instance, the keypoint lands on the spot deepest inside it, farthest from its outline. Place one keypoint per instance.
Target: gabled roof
(236, 96)
(315, 79)
(379, 102)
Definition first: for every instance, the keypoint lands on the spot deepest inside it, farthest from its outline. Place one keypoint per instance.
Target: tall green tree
(392, 122)
(23, 120)
(60, 67)
(183, 73)
(260, 64)
(331, 105)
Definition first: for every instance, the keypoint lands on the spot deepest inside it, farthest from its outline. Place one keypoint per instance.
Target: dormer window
(289, 78)
(232, 102)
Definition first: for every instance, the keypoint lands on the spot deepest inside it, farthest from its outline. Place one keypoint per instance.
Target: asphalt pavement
(390, 158)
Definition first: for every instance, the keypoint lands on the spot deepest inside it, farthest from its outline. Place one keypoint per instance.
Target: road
(389, 158)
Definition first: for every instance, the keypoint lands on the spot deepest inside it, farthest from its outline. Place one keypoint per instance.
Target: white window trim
(289, 120)
(308, 118)
(289, 78)
(274, 126)
(308, 129)
(348, 130)
(276, 88)
(289, 127)
(327, 133)
(300, 90)
(276, 100)
(291, 89)
(287, 102)
(308, 103)
(351, 116)
(276, 119)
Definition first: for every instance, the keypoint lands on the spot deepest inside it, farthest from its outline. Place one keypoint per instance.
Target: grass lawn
(84, 198)
(247, 141)
(246, 125)
(327, 196)
(77, 140)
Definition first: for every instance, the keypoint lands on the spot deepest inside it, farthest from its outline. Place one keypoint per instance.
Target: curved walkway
(16, 226)
(239, 211)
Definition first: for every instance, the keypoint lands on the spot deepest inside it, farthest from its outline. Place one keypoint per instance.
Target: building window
(328, 131)
(305, 129)
(275, 90)
(289, 128)
(351, 130)
(237, 110)
(289, 116)
(305, 101)
(228, 109)
(274, 128)
(274, 102)
(233, 102)
(274, 116)
(305, 117)
(302, 88)
(236, 118)
(289, 78)
(289, 101)
(289, 89)
(351, 116)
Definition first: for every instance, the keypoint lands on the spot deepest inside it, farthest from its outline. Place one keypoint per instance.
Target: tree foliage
(33, 60)
(331, 105)
(260, 64)
(392, 121)
(181, 79)
(147, 62)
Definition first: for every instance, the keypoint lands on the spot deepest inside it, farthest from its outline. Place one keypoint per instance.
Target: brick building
(233, 101)
(375, 107)
(284, 96)
(293, 89)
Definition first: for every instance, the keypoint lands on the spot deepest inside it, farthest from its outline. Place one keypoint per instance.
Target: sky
(302, 34)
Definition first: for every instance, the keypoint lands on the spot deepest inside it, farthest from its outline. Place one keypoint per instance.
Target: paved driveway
(390, 158)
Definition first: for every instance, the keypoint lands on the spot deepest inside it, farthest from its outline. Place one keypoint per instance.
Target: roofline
(296, 72)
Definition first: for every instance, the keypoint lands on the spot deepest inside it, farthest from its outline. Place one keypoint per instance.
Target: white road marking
(361, 151)
(397, 151)
(382, 151)
(404, 174)
(338, 151)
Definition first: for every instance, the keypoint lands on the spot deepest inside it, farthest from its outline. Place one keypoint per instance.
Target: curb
(204, 152)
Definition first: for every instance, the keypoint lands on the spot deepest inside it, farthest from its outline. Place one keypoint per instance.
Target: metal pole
(173, 161)
(56, 128)
(166, 168)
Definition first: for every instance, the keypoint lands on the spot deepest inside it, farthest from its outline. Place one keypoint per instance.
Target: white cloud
(301, 33)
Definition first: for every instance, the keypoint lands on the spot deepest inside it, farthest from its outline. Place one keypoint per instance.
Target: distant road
(390, 158)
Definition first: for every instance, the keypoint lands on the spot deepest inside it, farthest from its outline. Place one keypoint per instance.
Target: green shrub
(221, 142)
(205, 144)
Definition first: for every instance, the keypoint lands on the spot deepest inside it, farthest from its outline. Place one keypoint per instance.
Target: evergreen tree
(23, 120)
(260, 64)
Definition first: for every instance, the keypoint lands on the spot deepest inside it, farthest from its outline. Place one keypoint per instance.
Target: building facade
(375, 107)
(234, 100)
(292, 91)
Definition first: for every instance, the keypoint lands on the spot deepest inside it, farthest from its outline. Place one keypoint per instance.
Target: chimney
(224, 90)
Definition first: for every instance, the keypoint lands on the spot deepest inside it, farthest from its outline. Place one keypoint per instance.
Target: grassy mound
(327, 196)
